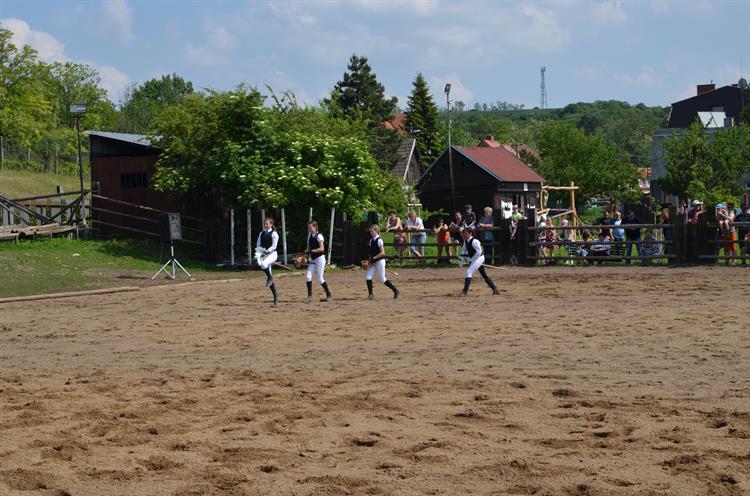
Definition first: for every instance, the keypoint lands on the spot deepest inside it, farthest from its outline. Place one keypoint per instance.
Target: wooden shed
(483, 176)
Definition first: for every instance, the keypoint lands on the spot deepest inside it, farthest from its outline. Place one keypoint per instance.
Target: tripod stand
(175, 264)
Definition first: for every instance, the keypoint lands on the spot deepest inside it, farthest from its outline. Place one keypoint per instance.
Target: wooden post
(231, 236)
(249, 237)
(330, 235)
(283, 232)
(573, 203)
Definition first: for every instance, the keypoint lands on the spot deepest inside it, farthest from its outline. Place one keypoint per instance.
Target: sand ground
(576, 381)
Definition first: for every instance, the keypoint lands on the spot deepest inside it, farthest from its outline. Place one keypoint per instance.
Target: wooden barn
(124, 202)
(484, 176)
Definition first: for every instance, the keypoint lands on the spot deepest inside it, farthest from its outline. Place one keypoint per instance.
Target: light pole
(77, 109)
(450, 148)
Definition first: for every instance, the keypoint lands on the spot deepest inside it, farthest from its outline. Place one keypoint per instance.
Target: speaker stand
(174, 263)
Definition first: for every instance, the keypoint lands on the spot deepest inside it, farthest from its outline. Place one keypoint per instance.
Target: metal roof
(136, 139)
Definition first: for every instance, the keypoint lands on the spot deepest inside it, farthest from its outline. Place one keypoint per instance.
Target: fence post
(249, 237)
(283, 232)
(231, 236)
(2, 152)
(708, 235)
(330, 235)
(679, 238)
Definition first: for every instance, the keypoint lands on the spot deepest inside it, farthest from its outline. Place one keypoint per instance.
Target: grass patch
(61, 264)
(19, 184)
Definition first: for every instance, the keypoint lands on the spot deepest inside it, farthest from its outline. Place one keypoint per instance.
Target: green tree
(359, 94)
(144, 102)
(704, 168)
(423, 119)
(25, 112)
(597, 168)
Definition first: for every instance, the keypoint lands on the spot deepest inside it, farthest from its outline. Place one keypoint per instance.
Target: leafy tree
(704, 168)
(422, 118)
(70, 82)
(359, 93)
(597, 168)
(24, 110)
(144, 102)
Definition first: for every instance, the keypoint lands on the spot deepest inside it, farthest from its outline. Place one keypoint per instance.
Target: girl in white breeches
(379, 268)
(473, 249)
(376, 260)
(316, 260)
(268, 240)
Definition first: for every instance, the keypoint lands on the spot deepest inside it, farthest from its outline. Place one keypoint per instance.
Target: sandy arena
(576, 381)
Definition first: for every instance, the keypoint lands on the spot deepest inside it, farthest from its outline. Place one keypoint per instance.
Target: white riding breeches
(268, 260)
(316, 266)
(378, 267)
(474, 266)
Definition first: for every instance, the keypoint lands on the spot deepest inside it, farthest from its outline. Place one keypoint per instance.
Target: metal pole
(283, 232)
(80, 167)
(309, 217)
(231, 237)
(2, 153)
(450, 155)
(330, 235)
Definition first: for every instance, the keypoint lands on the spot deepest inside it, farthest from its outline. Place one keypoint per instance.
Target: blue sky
(653, 52)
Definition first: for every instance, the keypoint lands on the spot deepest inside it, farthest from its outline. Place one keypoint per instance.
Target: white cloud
(591, 73)
(49, 48)
(203, 56)
(52, 50)
(118, 16)
(609, 12)
(458, 90)
(218, 37)
(647, 78)
(541, 30)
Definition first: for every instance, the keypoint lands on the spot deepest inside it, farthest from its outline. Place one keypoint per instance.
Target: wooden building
(483, 176)
(122, 171)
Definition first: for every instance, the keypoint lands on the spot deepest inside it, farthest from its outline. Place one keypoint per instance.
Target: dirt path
(577, 381)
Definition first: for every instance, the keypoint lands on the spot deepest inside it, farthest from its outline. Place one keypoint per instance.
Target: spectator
(695, 212)
(666, 218)
(728, 232)
(632, 235)
(399, 237)
(606, 220)
(443, 241)
(584, 247)
(743, 216)
(549, 239)
(600, 248)
(745, 249)
(567, 237)
(418, 237)
(456, 228)
(486, 235)
(618, 235)
(649, 248)
(470, 218)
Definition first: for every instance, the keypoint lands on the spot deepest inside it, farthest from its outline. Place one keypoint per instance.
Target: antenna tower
(543, 103)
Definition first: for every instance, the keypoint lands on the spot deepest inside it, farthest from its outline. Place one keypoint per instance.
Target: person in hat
(696, 211)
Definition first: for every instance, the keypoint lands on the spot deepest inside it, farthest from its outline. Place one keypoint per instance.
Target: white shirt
(417, 223)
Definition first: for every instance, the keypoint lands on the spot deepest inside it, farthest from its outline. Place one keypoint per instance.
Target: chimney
(705, 88)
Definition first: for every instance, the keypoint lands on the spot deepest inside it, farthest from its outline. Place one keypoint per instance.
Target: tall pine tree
(360, 94)
(422, 116)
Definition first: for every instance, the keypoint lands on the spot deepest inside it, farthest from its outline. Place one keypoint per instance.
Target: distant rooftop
(136, 139)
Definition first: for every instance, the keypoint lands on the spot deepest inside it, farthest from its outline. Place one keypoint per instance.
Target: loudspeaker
(170, 227)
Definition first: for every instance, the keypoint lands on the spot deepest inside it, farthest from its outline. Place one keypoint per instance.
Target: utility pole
(543, 102)
(450, 148)
(77, 109)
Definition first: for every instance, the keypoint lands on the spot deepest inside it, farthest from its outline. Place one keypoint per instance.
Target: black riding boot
(370, 296)
(467, 283)
(489, 281)
(309, 291)
(328, 291)
(269, 277)
(275, 294)
(393, 288)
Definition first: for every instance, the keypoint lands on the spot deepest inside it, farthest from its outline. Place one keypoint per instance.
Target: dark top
(314, 244)
(742, 217)
(469, 248)
(633, 232)
(266, 239)
(374, 248)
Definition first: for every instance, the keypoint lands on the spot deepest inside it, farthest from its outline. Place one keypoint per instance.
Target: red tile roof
(398, 122)
(500, 163)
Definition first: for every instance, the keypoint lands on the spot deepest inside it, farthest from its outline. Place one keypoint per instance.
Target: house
(483, 176)
(714, 108)
(408, 165)
(729, 100)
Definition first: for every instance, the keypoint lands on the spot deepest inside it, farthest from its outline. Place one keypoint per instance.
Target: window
(133, 180)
